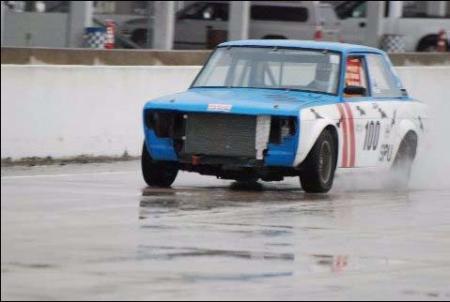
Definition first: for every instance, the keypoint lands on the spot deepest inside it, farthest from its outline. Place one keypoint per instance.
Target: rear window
(382, 80)
(279, 13)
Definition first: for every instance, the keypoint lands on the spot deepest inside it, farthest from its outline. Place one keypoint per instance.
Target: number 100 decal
(372, 135)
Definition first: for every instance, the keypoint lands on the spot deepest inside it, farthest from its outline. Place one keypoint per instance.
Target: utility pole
(239, 20)
(80, 17)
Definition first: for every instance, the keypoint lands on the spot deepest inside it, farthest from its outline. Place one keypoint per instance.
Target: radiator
(220, 135)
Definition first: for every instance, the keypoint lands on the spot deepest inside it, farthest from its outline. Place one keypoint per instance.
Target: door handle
(362, 24)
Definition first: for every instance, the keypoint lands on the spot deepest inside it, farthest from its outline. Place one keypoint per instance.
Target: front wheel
(318, 169)
(157, 173)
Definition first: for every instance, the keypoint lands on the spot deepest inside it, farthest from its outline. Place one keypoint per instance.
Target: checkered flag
(95, 37)
(393, 43)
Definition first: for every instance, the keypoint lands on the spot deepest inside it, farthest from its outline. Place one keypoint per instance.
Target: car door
(331, 26)
(362, 119)
(353, 26)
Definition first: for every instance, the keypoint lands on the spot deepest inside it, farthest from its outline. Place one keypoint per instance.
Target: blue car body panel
(249, 101)
(160, 148)
(282, 155)
(245, 101)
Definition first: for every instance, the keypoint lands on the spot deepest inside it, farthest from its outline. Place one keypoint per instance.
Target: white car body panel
(361, 146)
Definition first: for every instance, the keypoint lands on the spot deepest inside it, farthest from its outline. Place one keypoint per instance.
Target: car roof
(333, 46)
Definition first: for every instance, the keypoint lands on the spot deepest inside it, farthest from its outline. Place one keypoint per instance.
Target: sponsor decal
(383, 114)
(372, 136)
(220, 107)
(420, 123)
(386, 152)
(394, 118)
(317, 115)
(361, 111)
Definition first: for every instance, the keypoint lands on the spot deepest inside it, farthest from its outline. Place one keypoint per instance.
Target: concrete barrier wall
(64, 111)
(115, 57)
(133, 57)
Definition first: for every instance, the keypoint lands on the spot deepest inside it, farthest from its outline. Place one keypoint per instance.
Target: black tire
(139, 36)
(317, 171)
(157, 173)
(428, 44)
(401, 168)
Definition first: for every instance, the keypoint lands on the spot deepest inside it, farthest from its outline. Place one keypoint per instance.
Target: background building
(157, 24)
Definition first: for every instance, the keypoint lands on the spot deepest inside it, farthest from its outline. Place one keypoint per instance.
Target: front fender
(309, 132)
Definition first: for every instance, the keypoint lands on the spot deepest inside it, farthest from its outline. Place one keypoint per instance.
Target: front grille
(220, 135)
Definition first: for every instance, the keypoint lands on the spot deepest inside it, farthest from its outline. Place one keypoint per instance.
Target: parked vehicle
(306, 20)
(268, 109)
(419, 31)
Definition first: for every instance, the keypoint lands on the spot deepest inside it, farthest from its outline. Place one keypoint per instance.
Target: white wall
(63, 111)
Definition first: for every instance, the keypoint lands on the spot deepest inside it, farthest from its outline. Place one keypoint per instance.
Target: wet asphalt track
(95, 232)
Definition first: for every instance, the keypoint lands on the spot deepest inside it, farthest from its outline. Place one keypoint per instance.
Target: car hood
(249, 101)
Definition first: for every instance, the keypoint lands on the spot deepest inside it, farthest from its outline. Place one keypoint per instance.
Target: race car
(269, 109)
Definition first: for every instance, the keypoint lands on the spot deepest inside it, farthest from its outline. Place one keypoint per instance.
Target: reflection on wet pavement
(170, 252)
(103, 236)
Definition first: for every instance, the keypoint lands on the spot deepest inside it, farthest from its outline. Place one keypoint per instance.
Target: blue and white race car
(268, 109)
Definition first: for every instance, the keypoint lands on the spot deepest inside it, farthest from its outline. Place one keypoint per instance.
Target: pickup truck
(419, 30)
(303, 20)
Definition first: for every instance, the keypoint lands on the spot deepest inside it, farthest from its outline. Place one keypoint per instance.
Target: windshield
(275, 68)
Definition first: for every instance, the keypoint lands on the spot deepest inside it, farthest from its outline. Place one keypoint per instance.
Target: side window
(382, 81)
(207, 11)
(279, 13)
(355, 74)
(360, 11)
(221, 11)
(193, 11)
(351, 9)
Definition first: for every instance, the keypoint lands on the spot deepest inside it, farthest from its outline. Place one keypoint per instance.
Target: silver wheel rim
(325, 162)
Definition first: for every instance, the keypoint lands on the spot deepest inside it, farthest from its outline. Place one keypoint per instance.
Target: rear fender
(405, 126)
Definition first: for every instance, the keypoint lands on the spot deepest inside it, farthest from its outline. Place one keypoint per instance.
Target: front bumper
(221, 138)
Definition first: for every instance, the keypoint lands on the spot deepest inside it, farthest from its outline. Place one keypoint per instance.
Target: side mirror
(355, 90)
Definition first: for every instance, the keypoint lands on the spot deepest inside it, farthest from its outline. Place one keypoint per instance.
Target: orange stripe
(348, 110)
(345, 143)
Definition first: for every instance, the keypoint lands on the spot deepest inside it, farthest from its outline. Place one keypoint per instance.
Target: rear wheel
(157, 173)
(428, 44)
(318, 169)
(401, 168)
